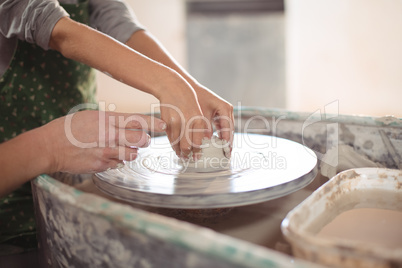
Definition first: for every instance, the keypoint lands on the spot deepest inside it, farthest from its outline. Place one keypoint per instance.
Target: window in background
(237, 49)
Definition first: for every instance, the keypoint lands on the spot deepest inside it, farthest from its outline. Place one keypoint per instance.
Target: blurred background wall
(237, 49)
(299, 56)
(346, 50)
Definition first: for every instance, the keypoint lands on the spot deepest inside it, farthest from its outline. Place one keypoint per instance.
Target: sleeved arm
(30, 20)
(114, 18)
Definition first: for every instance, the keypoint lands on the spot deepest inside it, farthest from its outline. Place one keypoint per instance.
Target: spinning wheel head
(261, 168)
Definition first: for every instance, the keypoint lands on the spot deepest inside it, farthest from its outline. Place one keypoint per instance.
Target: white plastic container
(351, 189)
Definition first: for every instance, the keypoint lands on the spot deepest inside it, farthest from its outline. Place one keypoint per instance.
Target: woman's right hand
(83, 142)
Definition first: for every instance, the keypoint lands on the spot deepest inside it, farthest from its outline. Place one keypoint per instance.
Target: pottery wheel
(261, 168)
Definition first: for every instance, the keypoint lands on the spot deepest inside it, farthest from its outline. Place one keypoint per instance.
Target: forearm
(214, 108)
(22, 159)
(143, 42)
(81, 43)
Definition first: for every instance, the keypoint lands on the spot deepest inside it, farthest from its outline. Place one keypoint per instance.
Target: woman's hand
(93, 141)
(84, 142)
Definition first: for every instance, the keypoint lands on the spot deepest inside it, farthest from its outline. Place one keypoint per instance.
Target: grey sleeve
(113, 18)
(30, 20)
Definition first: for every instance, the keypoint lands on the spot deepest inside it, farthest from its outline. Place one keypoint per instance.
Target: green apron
(38, 86)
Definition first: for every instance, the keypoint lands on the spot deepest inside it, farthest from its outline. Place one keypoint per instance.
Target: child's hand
(186, 125)
(217, 111)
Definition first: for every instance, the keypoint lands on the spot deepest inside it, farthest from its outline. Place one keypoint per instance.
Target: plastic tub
(351, 189)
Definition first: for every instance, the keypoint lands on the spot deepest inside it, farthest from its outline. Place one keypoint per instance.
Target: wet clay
(382, 227)
(215, 156)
